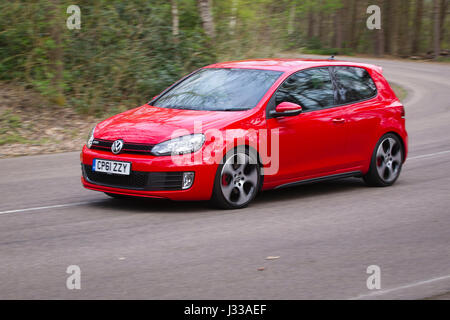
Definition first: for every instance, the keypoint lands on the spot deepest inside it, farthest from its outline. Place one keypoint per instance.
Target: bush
(124, 52)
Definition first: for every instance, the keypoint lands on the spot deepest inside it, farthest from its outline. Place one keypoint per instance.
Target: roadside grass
(400, 92)
(30, 124)
(12, 138)
(443, 59)
(12, 128)
(10, 123)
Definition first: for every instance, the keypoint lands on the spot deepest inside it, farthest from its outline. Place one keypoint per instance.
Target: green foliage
(400, 92)
(9, 126)
(125, 52)
(13, 138)
(9, 121)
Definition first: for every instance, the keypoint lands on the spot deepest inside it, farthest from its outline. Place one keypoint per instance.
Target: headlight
(90, 139)
(180, 145)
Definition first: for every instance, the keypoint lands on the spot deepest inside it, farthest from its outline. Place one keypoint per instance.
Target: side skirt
(320, 179)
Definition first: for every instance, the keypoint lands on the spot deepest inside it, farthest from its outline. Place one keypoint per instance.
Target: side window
(353, 84)
(311, 88)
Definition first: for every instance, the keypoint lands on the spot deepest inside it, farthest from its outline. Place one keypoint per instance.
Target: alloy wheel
(389, 159)
(239, 179)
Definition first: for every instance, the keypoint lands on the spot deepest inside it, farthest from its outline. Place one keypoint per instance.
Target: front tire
(386, 162)
(238, 180)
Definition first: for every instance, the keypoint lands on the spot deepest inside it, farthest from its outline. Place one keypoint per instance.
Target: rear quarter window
(353, 84)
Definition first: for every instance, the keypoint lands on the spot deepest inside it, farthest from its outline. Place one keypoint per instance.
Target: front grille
(137, 180)
(132, 148)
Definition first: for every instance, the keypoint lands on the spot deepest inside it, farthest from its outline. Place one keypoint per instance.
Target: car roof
(289, 65)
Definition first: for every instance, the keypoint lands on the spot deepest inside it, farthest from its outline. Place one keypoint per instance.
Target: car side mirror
(286, 109)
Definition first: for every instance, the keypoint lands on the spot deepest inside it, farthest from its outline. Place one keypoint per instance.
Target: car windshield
(219, 90)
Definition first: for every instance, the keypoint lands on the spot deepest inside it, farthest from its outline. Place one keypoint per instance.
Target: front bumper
(153, 166)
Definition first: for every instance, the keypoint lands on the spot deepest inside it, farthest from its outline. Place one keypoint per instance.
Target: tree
(233, 16)
(379, 39)
(175, 19)
(443, 14)
(311, 23)
(394, 32)
(205, 7)
(417, 27)
(348, 23)
(388, 29)
(320, 32)
(403, 29)
(436, 36)
(353, 24)
(337, 41)
(56, 53)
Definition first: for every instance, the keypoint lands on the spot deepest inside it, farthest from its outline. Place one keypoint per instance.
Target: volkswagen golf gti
(229, 130)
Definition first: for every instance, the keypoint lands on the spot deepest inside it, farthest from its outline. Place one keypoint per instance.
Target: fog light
(188, 180)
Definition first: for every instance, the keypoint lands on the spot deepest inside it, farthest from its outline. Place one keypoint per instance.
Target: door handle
(338, 120)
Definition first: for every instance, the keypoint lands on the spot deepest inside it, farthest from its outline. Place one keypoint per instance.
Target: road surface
(325, 235)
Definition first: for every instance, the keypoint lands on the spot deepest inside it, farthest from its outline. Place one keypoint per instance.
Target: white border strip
(428, 155)
(412, 285)
(49, 207)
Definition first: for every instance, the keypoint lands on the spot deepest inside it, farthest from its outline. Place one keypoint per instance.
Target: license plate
(112, 167)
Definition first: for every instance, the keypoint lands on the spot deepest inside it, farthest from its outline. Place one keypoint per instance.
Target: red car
(231, 129)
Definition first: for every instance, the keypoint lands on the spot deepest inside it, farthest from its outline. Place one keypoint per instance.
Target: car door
(312, 143)
(356, 92)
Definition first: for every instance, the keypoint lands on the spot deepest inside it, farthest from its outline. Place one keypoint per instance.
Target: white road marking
(49, 207)
(412, 285)
(88, 202)
(428, 155)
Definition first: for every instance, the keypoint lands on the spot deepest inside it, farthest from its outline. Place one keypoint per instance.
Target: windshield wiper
(202, 109)
(233, 109)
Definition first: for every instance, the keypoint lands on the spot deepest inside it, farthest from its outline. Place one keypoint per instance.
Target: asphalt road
(325, 235)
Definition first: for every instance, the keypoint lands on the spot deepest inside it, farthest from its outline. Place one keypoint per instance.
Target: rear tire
(238, 179)
(386, 162)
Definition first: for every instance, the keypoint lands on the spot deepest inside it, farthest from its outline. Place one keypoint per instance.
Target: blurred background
(55, 83)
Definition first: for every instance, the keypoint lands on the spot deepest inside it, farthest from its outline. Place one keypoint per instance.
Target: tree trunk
(290, 28)
(436, 36)
(233, 16)
(360, 21)
(380, 42)
(353, 25)
(205, 7)
(417, 27)
(387, 18)
(337, 43)
(320, 32)
(403, 29)
(56, 53)
(395, 27)
(310, 23)
(175, 20)
(444, 8)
